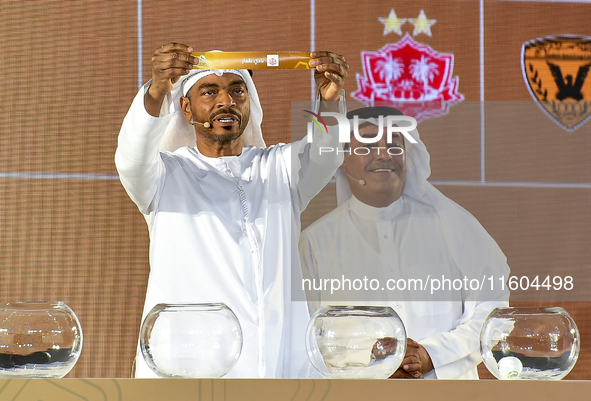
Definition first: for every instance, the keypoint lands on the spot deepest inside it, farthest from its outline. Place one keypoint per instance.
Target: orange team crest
(411, 77)
(556, 72)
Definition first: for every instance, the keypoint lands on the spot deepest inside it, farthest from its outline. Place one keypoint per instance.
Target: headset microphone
(361, 182)
(205, 124)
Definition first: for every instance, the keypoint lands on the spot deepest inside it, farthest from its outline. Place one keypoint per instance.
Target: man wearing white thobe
(394, 227)
(224, 215)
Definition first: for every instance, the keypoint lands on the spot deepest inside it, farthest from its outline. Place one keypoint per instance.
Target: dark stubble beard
(220, 138)
(207, 133)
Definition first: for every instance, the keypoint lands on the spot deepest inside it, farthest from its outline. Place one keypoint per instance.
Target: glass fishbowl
(356, 342)
(191, 340)
(38, 340)
(529, 343)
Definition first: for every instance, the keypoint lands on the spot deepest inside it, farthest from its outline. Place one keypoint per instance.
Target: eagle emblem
(555, 70)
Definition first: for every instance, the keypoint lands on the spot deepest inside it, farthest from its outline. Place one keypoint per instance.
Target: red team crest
(410, 76)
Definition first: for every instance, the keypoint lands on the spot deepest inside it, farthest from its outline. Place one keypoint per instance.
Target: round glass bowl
(38, 339)
(191, 340)
(356, 342)
(529, 343)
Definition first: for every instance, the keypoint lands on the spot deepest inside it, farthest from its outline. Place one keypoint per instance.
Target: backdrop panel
(69, 70)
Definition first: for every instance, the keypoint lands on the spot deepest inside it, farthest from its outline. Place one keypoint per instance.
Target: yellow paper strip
(252, 60)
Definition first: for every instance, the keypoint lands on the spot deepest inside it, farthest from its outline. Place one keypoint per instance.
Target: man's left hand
(330, 73)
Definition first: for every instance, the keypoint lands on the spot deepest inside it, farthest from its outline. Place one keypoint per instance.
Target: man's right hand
(169, 63)
(416, 362)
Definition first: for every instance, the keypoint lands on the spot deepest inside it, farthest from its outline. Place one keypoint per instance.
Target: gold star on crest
(422, 24)
(392, 23)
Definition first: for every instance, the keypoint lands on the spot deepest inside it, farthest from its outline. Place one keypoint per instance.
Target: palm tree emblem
(424, 71)
(390, 70)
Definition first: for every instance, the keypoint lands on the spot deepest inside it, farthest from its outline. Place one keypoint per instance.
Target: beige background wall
(69, 70)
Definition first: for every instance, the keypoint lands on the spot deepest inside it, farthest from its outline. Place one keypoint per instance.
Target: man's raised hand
(330, 73)
(169, 63)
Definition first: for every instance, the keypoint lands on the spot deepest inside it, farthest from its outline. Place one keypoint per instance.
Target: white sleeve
(308, 252)
(456, 352)
(137, 157)
(477, 255)
(312, 164)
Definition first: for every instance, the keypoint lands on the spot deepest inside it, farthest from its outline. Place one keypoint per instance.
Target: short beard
(206, 134)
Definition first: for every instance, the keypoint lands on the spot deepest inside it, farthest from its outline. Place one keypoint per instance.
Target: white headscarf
(180, 133)
(472, 248)
(418, 168)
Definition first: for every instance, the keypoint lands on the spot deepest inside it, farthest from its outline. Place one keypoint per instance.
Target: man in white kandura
(393, 226)
(224, 215)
